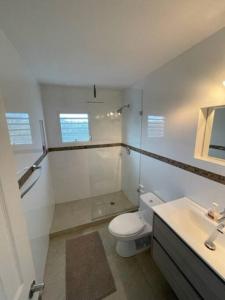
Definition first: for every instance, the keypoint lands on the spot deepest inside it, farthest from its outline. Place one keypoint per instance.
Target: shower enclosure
(126, 162)
(97, 178)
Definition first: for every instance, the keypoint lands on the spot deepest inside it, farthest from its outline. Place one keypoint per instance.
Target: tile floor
(110, 204)
(136, 278)
(85, 211)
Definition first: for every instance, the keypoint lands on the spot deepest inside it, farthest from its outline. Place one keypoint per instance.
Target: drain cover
(112, 203)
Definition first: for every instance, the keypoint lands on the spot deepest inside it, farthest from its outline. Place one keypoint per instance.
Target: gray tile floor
(80, 212)
(136, 277)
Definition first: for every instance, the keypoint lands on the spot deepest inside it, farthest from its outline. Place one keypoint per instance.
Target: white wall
(79, 174)
(21, 94)
(131, 117)
(67, 99)
(177, 91)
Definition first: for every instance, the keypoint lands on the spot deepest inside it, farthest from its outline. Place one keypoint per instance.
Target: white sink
(191, 223)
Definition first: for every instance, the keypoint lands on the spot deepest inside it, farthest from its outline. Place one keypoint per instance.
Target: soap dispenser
(213, 212)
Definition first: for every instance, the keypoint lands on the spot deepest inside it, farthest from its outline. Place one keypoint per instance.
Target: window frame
(74, 142)
(155, 126)
(21, 146)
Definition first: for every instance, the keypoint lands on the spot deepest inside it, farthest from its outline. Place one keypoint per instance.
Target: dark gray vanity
(189, 276)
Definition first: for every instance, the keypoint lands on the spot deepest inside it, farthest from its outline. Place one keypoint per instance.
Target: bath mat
(88, 275)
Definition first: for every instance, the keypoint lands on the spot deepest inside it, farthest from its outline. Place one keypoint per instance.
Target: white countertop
(191, 223)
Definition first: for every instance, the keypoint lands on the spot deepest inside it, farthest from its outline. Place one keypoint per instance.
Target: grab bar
(23, 170)
(35, 168)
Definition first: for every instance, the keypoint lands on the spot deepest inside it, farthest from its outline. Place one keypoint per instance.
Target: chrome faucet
(209, 243)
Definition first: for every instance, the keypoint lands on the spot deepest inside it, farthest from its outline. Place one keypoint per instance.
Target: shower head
(120, 110)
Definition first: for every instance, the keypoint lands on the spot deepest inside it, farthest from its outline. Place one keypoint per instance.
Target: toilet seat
(126, 225)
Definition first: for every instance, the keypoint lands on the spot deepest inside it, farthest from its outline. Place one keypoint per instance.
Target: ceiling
(107, 42)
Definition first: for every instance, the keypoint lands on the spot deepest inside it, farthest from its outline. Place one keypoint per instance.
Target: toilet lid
(126, 224)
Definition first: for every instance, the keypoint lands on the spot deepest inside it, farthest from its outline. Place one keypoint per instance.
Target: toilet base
(133, 247)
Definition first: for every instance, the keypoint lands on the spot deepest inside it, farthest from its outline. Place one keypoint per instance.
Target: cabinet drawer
(204, 280)
(175, 278)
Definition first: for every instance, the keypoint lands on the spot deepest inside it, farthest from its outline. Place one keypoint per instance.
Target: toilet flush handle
(140, 189)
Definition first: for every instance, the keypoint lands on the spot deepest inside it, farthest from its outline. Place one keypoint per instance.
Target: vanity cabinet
(188, 275)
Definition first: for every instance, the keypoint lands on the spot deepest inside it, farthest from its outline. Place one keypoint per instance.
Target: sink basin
(191, 223)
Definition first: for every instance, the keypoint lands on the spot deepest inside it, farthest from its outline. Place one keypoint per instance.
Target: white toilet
(133, 230)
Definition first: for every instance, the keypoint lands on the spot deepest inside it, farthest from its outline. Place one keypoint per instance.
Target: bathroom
(112, 176)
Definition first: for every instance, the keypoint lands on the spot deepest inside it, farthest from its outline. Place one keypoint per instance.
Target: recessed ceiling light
(224, 82)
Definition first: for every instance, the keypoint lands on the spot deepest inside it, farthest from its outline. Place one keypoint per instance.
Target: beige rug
(88, 275)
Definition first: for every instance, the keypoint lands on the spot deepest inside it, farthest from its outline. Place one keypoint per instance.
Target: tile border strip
(189, 168)
(217, 147)
(67, 148)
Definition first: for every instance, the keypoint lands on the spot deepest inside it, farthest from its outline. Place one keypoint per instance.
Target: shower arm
(120, 110)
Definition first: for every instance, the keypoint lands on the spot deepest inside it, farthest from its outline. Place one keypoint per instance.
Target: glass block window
(19, 128)
(74, 128)
(156, 126)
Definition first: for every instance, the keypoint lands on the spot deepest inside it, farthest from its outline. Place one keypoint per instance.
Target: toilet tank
(147, 201)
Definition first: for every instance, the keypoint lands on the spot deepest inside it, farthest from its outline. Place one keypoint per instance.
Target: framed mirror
(217, 137)
(210, 141)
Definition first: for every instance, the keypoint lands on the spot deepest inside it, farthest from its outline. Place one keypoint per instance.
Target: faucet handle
(220, 216)
(215, 206)
(222, 212)
(220, 228)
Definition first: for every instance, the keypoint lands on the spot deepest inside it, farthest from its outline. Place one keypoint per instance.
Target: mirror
(216, 146)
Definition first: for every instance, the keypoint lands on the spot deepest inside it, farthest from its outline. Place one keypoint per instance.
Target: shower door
(131, 136)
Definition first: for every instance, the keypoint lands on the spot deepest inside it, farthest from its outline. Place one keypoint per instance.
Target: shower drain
(112, 203)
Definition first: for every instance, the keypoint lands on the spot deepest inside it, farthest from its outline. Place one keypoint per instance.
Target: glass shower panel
(114, 171)
(105, 183)
(131, 136)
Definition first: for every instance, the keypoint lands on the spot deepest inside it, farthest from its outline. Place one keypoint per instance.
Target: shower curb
(90, 224)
